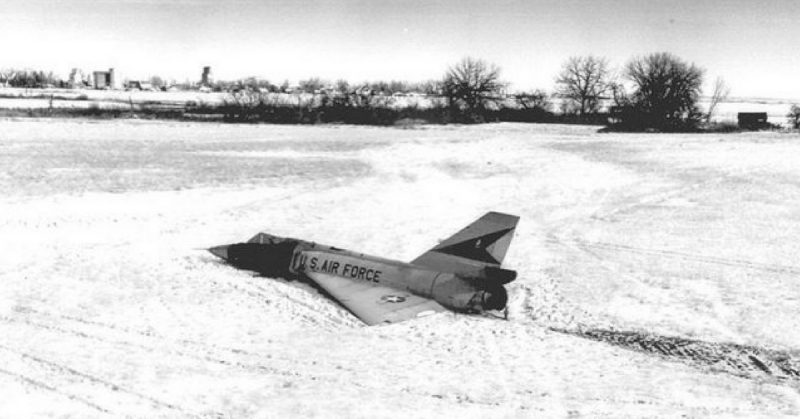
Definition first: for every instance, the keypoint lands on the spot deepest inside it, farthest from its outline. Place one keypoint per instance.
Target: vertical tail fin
(482, 243)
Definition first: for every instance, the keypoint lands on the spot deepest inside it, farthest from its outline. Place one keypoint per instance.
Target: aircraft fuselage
(296, 259)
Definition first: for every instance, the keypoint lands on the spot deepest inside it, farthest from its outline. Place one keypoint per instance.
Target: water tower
(205, 78)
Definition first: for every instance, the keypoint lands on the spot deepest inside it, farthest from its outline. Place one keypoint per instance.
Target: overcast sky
(752, 44)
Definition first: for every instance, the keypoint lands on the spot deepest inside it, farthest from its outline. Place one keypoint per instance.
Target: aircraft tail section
(480, 244)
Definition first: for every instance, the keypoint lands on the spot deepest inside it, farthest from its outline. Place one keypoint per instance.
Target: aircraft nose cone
(220, 251)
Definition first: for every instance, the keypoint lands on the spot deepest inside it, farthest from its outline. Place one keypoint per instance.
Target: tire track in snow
(146, 334)
(213, 352)
(44, 386)
(230, 357)
(152, 349)
(312, 315)
(297, 373)
(746, 361)
(72, 375)
(753, 362)
(296, 308)
(291, 297)
(739, 263)
(542, 303)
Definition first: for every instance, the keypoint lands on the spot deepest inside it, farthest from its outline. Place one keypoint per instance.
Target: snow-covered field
(658, 274)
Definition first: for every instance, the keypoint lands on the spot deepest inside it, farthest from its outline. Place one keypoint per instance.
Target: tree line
(29, 78)
(659, 91)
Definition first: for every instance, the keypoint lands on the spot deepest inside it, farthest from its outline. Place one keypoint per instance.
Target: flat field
(658, 274)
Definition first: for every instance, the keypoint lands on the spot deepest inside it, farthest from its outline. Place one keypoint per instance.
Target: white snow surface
(111, 307)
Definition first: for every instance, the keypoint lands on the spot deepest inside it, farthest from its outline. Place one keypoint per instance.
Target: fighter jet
(462, 273)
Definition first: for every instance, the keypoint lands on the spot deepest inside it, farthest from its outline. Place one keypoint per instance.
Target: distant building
(752, 120)
(104, 79)
(138, 85)
(205, 78)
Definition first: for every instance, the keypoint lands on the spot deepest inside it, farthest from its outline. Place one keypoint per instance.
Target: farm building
(752, 120)
(104, 79)
(139, 85)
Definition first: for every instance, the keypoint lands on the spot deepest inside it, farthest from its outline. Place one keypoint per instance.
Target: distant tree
(537, 99)
(719, 94)
(398, 86)
(380, 87)
(6, 76)
(583, 81)
(38, 79)
(77, 78)
(35, 79)
(157, 81)
(618, 94)
(284, 87)
(615, 88)
(531, 106)
(245, 105)
(250, 82)
(342, 86)
(794, 116)
(311, 85)
(29, 78)
(666, 92)
(256, 83)
(430, 87)
(471, 85)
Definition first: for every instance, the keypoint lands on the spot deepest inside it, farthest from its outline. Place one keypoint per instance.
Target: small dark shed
(752, 120)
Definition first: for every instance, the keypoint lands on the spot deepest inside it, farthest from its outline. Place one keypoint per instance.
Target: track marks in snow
(753, 362)
(737, 263)
(108, 328)
(187, 350)
(66, 376)
(746, 361)
(58, 377)
(318, 310)
(49, 388)
(129, 344)
(294, 301)
(543, 304)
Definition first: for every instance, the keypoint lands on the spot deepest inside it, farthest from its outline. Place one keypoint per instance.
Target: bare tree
(537, 99)
(244, 104)
(6, 76)
(379, 87)
(398, 86)
(472, 84)
(156, 81)
(583, 80)
(794, 116)
(342, 86)
(430, 87)
(719, 94)
(312, 85)
(667, 91)
(615, 88)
